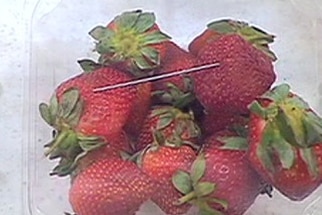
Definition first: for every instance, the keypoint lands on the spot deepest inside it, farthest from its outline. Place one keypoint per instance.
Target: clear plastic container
(60, 37)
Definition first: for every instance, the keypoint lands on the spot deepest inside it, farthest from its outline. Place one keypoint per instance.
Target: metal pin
(157, 77)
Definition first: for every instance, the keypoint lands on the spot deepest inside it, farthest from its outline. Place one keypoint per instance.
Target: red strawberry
(176, 59)
(110, 186)
(219, 28)
(244, 73)
(132, 41)
(85, 120)
(220, 181)
(286, 142)
(160, 163)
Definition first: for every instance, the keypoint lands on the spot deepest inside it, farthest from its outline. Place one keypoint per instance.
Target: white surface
(300, 57)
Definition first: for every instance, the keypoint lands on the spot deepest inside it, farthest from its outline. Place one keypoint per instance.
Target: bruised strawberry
(160, 162)
(132, 41)
(85, 120)
(286, 142)
(245, 72)
(220, 180)
(110, 186)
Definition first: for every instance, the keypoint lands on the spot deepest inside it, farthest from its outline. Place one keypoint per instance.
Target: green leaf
(128, 19)
(204, 188)
(98, 32)
(45, 114)
(53, 106)
(278, 93)
(144, 22)
(285, 152)
(142, 63)
(234, 143)
(182, 182)
(69, 101)
(221, 26)
(264, 150)
(151, 54)
(88, 65)
(205, 209)
(164, 122)
(198, 169)
(154, 38)
(310, 159)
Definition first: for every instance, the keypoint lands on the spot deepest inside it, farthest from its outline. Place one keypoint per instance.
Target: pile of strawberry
(213, 139)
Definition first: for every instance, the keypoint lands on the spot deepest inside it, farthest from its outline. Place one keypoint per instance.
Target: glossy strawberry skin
(106, 112)
(236, 181)
(175, 59)
(296, 183)
(202, 40)
(110, 186)
(160, 165)
(243, 74)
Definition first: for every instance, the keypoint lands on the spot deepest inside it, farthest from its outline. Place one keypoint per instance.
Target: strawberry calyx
(289, 125)
(173, 95)
(130, 38)
(184, 129)
(257, 37)
(67, 143)
(194, 190)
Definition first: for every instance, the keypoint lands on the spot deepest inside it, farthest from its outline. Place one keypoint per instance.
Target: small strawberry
(132, 41)
(286, 142)
(160, 161)
(110, 186)
(85, 120)
(220, 180)
(245, 70)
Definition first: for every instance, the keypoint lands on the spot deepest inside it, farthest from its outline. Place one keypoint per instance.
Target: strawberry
(132, 41)
(286, 142)
(219, 28)
(176, 59)
(160, 162)
(220, 180)
(110, 186)
(85, 120)
(245, 72)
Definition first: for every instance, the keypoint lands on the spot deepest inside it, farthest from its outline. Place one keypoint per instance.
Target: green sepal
(221, 202)
(88, 65)
(265, 151)
(205, 209)
(127, 19)
(142, 62)
(204, 188)
(100, 32)
(151, 54)
(90, 143)
(278, 93)
(234, 143)
(182, 182)
(313, 129)
(309, 157)
(155, 38)
(68, 102)
(198, 169)
(45, 114)
(144, 22)
(284, 151)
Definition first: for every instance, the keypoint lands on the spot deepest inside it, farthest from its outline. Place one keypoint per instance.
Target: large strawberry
(285, 142)
(110, 186)
(245, 70)
(85, 120)
(132, 41)
(160, 161)
(220, 180)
